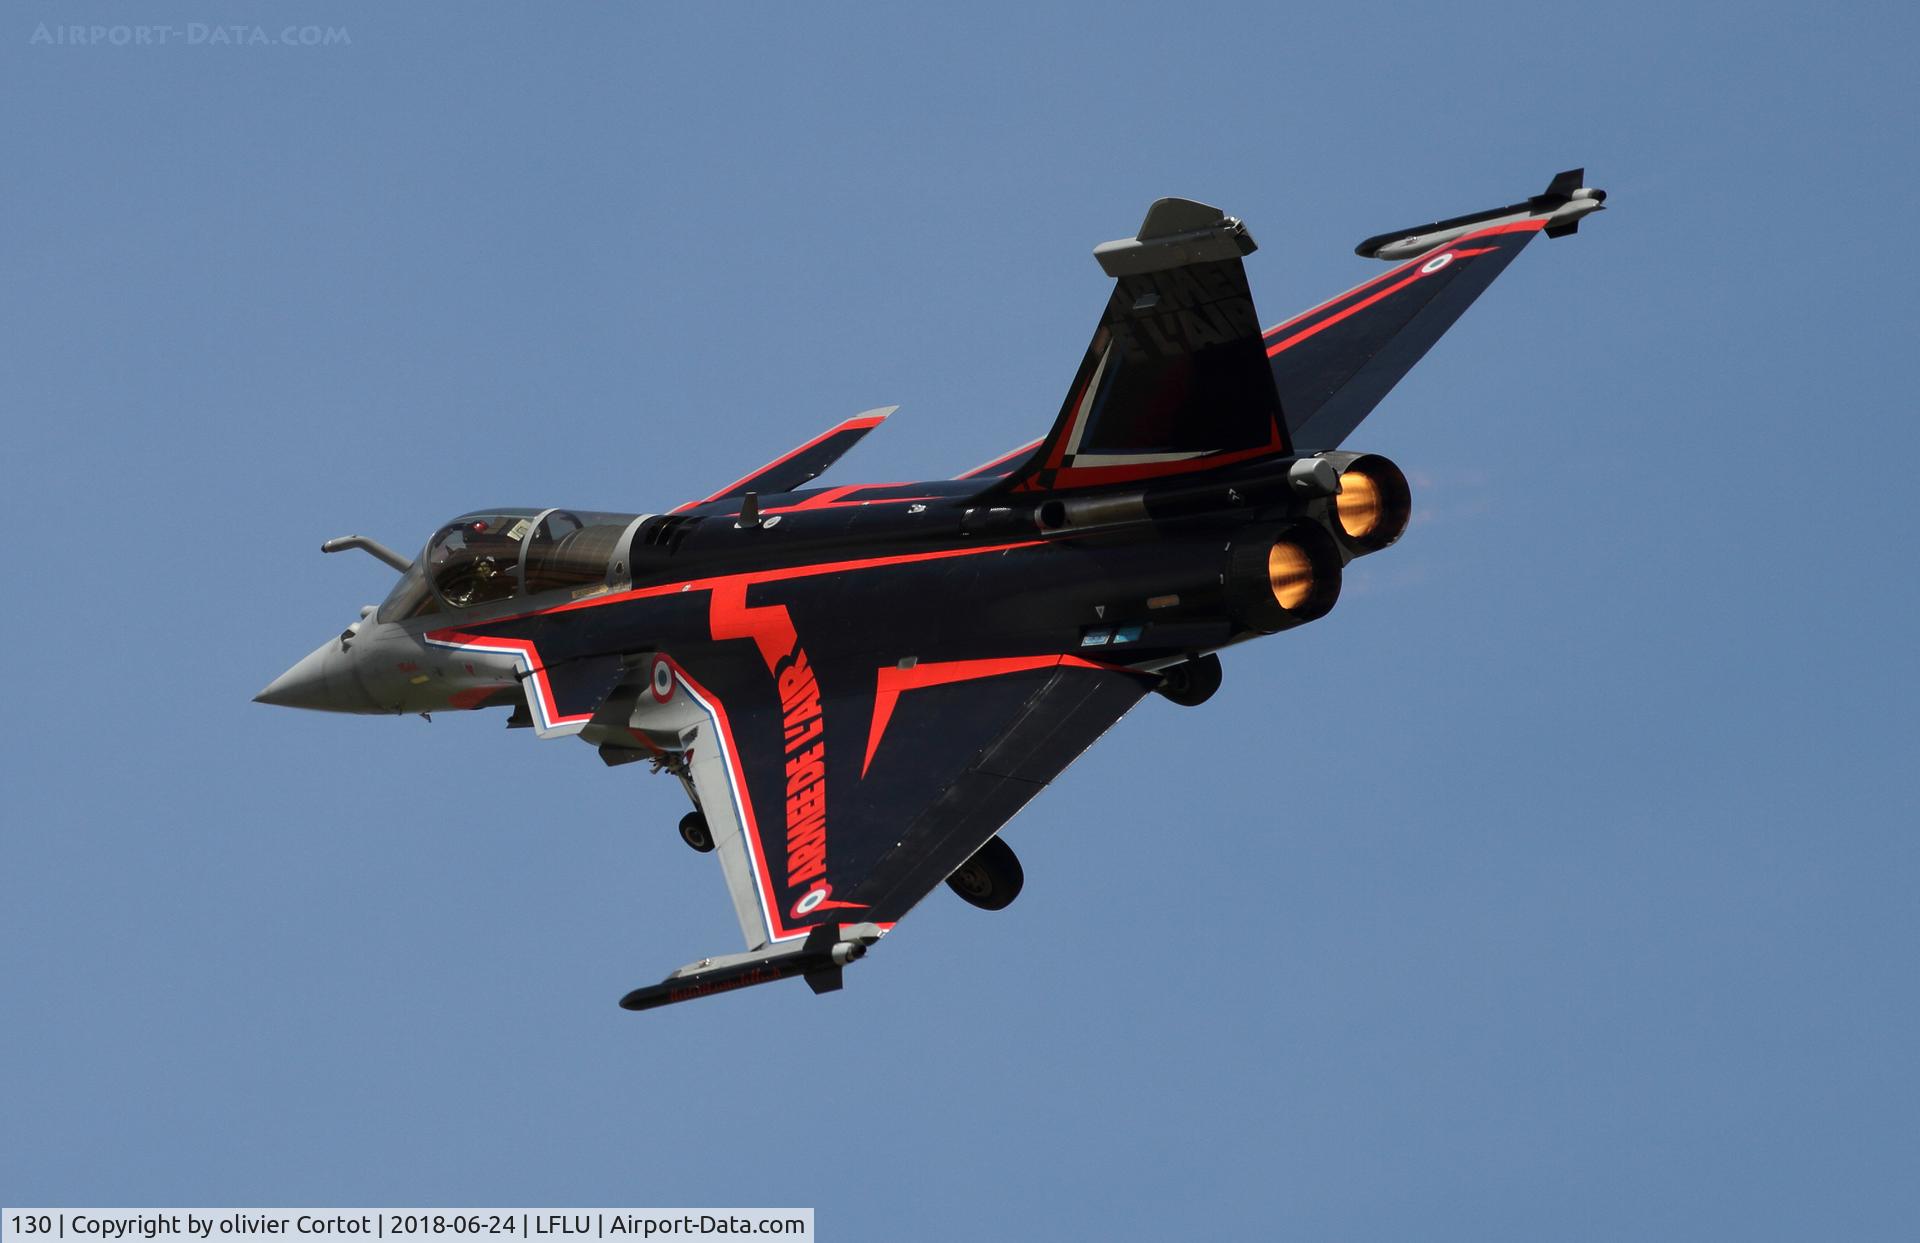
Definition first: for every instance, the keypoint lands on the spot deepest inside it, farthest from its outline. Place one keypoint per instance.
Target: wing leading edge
(798, 467)
(849, 792)
(1333, 364)
(1178, 379)
(839, 793)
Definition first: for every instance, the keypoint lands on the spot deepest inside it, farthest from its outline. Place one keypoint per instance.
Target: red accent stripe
(769, 898)
(1004, 459)
(753, 622)
(854, 424)
(892, 681)
(826, 498)
(537, 672)
(777, 924)
(1516, 226)
(770, 626)
(1058, 448)
(1096, 476)
(750, 577)
(1331, 320)
(1389, 274)
(852, 503)
(645, 741)
(720, 583)
(842, 498)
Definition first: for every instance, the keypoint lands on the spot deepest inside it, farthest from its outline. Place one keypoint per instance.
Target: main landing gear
(991, 880)
(694, 829)
(1191, 683)
(695, 833)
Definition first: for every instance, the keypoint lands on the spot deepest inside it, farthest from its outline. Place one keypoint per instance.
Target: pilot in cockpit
(473, 559)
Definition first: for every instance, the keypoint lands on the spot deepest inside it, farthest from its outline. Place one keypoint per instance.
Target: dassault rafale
(859, 686)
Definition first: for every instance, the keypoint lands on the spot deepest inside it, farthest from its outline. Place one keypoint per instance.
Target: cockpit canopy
(497, 554)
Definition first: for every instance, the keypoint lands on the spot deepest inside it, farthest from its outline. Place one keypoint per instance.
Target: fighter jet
(859, 686)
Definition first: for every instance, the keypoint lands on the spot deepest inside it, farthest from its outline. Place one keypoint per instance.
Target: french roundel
(662, 680)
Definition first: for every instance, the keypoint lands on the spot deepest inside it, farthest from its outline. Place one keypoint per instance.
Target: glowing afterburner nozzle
(1290, 573)
(1359, 504)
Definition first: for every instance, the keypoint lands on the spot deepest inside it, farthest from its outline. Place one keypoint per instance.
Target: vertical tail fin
(1174, 380)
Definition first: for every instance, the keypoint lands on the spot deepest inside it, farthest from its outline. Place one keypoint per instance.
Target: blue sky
(1561, 883)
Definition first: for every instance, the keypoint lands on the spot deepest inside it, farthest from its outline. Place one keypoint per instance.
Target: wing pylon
(819, 959)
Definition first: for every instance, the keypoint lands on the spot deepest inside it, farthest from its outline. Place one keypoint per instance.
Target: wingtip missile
(1562, 205)
(820, 959)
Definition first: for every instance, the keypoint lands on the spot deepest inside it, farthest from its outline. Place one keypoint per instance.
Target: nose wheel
(695, 833)
(991, 880)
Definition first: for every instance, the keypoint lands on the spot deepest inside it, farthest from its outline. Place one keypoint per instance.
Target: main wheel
(991, 880)
(1191, 683)
(695, 833)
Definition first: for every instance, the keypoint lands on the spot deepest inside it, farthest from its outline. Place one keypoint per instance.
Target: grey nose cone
(322, 681)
